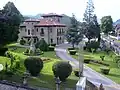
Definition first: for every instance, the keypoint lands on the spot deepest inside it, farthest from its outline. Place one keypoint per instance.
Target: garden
(102, 61)
(42, 66)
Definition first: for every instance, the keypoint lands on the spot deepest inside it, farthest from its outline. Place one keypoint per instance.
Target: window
(37, 29)
(28, 32)
(32, 32)
(58, 20)
(42, 31)
(51, 40)
(32, 23)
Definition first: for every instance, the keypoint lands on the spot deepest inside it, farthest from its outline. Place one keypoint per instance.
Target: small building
(117, 31)
(49, 27)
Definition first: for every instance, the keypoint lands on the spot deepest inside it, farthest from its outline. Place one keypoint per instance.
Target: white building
(49, 28)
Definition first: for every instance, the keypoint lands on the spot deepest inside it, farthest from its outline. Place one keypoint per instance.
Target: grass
(114, 70)
(46, 78)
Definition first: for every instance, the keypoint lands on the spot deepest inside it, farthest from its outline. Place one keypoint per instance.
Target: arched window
(42, 31)
(28, 32)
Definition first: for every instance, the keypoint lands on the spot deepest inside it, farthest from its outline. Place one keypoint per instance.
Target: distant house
(49, 27)
(117, 31)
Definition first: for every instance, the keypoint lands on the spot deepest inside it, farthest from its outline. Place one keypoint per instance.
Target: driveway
(91, 75)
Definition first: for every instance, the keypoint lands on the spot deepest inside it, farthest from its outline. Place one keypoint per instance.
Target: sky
(33, 7)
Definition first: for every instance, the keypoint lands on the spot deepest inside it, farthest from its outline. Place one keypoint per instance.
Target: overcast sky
(33, 7)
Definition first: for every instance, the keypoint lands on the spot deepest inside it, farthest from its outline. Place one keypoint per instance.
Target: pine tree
(74, 34)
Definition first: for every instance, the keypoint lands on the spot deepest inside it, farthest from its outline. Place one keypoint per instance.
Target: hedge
(72, 52)
(105, 70)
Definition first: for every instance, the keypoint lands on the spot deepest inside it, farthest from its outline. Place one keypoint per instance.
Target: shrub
(72, 52)
(102, 57)
(9, 73)
(76, 72)
(116, 59)
(38, 52)
(2, 51)
(71, 48)
(42, 45)
(62, 70)
(105, 70)
(17, 64)
(34, 65)
(87, 60)
(26, 52)
(51, 48)
(22, 41)
(53, 44)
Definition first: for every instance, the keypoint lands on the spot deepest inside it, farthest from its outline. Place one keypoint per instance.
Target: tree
(42, 45)
(9, 25)
(74, 34)
(34, 65)
(106, 24)
(62, 70)
(90, 26)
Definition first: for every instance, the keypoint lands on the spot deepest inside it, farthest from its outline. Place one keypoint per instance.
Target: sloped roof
(49, 22)
(32, 20)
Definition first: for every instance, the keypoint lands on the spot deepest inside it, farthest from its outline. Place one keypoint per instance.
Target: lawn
(114, 70)
(46, 77)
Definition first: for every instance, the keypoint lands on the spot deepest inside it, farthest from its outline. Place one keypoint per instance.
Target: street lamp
(57, 82)
(80, 57)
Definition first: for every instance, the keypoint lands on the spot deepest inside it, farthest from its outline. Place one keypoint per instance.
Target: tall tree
(91, 26)
(106, 24)
(74, 34)
(9, 27)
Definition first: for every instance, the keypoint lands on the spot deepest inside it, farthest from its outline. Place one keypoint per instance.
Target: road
(91, 75)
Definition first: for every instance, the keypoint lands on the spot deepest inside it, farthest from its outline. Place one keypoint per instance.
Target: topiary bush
(102, 57)
(2, 51)
(76, 72)
(87, 60)
(26, 52)
(71, 48)
(42, 45)
(53, 44)
(51, 48)
(22, 41)
(105, 70)
(116, 59)
(72, 52)
(34, 65)
(62, 70)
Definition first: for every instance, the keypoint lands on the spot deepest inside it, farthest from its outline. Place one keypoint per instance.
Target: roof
(32, 20)
(117, 27)
(49, 22)
(51, 14)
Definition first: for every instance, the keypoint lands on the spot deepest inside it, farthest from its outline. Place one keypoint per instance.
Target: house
(48, 28)
(117, 31)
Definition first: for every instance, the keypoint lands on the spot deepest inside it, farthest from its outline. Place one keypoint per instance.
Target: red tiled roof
(49, 22)
(32, 20)
(51, 14)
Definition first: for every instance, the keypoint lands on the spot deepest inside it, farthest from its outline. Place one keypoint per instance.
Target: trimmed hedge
(22, 42)
(62, 70)
(100, 62)
(34, 65)
(71, 48)
(53, 44)
(72, 52)
(87, 60)
(51, 48)
(76, 72)
(105, 70)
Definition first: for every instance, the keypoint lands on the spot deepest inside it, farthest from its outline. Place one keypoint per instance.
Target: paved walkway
(91, 75)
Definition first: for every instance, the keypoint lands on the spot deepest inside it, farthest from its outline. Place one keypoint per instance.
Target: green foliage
(53, 44)
(62, 70)
(9, 27)
(76, 72)
(22, 41)
(102, 57)
(51, 48)
(72, 52)
(106, 24)
(17, 64)
(34, 65)
(105, 70)
(90, 26)
(87, 60)
(2, 51)
(42, 45)
(71, 48)
(116, 59)
(38, 52)
(93, 45)
(74, 33)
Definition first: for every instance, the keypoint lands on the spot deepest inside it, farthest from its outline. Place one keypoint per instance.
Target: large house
(117, 31)
(48, 28)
